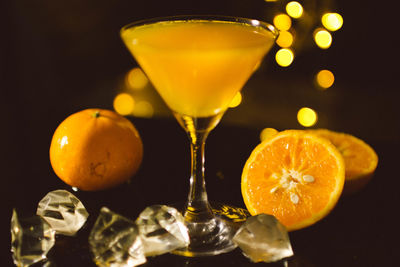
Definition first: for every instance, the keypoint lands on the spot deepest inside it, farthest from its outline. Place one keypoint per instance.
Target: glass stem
(197, 208)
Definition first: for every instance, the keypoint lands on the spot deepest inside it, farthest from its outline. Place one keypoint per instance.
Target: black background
(58, 57)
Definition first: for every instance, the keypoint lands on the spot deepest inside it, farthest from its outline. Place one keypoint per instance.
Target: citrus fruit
(360, 159)
(296, 176)
(95, 149)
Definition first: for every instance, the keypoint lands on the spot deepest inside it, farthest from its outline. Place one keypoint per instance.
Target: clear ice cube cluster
(116, 241)
(119, 242)
(59, 212)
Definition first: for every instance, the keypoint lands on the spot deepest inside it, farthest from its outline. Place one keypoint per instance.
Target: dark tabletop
(360, 231)
(60, 58)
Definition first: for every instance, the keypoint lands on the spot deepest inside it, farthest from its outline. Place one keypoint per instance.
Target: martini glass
(198, 64)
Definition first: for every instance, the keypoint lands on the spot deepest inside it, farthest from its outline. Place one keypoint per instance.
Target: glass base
(214, 236)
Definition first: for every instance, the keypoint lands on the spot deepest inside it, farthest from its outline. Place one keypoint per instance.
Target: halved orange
(296, 176)
(360, 159)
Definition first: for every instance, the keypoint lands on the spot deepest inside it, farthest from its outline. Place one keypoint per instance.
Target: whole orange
(95, 149)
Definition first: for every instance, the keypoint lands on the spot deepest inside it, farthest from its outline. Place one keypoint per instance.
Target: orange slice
(296, 176)
(360, 159)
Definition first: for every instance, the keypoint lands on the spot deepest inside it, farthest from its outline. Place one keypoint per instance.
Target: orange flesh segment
(360, 159)
(302, 155)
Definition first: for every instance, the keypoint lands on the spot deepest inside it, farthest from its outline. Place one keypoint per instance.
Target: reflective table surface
(360, 231)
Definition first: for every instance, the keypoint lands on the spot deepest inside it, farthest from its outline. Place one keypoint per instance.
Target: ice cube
(115, 241)
(31, 239)
(263, 238)
(63, 211)
(162, 229)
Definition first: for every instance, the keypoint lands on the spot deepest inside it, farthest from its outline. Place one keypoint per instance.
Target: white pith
(289, 181)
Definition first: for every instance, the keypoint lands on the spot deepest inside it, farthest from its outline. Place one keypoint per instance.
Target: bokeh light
(285, 39)
(325, 79)
(282, 22)
(294, 9)
(307, 117)
(143, 109)
(322, 38)
(136, 79)
(267, 133)
(124, 104)
(237, 99)
(332, 21)
(284, 57)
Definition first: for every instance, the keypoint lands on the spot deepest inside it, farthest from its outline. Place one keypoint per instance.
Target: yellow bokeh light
(284, 57)
(267, 133)
(323, 38)
(136, 79)
(143, 109)
(124, 104)
(237, 99)
(282, 22)
(307, 117)
(294, 9)
(285, 39)
(325, 79)
(332, 21)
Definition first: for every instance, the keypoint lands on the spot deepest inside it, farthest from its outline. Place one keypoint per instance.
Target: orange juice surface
(198, 66)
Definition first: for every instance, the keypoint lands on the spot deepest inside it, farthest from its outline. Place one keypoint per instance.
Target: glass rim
(253, 22)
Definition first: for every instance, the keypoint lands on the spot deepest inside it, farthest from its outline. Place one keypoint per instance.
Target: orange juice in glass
(197, 64)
